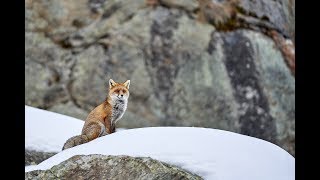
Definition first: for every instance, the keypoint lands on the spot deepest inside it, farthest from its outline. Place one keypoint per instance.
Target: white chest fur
(118, 109)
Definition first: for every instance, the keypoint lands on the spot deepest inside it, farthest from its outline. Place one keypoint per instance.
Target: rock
(57, 18)
(47, 69)
(289, 11)
(279, 13)
(111, 167)
(89, 82)
(33, 157)
(188, 5)
(115, 13)
(280, 93)
(260, 15)
(264, 105)
(69, 109)
(183, 72)
(287, 48)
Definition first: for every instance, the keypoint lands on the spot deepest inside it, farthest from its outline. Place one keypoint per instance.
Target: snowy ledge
(210, 153)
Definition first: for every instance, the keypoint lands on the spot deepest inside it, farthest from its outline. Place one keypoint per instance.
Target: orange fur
(102, 119)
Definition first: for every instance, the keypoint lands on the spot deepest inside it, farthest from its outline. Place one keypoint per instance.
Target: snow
(210, 153)
(47, 131)
(30, 167)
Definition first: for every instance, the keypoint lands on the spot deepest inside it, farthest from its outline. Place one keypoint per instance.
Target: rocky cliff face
(219, 64)
(111, 167)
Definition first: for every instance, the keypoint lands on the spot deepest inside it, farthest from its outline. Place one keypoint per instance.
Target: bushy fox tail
(90, 132)
(75, 141)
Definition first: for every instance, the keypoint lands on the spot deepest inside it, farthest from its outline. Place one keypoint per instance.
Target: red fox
(102, 119)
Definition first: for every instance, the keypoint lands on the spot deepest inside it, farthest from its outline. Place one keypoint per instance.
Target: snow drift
(210, 153)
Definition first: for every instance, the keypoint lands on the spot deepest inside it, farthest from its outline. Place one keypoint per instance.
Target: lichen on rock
(112, 167)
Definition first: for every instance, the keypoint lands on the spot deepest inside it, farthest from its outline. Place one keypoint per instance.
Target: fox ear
(111, 83)
(127, 84)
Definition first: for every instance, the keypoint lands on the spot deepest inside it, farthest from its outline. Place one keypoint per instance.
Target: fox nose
(121, 95)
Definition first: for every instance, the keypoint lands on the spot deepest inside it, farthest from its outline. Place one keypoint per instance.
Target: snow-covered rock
(209, 153)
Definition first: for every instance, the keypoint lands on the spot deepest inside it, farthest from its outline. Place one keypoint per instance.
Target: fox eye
(117, 91)
(124, 91)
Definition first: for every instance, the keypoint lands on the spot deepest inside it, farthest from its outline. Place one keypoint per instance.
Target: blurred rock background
(205, 63)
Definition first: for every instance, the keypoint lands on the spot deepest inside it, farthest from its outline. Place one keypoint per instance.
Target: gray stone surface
(33, 157)
(111, 167)
(279, 13)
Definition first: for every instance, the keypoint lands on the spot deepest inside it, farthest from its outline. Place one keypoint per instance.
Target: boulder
(111, 167)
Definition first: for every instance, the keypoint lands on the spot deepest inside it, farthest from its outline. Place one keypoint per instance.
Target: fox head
(119, 91)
